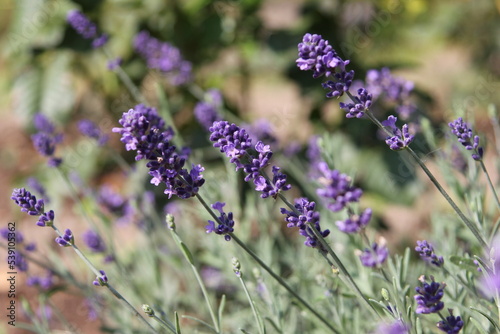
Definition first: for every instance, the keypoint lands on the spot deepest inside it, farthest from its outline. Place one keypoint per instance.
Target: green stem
(283, 283)
(436, 183)
(132, 88)
(267, 268)
(187, 254)
(258, 320)
(336, 259)
(110, 288)
(163, 323)
(490, 183)
(443, 192)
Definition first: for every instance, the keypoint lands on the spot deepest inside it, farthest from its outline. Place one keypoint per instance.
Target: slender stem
(266, 267)
(492, 187)
(443, 192)
(282, 282)
(182, 246)
(132, 88)
(336, 260)
(163, 323)
(343, 270)
(113, 290)
(134, 311)
(258, 320)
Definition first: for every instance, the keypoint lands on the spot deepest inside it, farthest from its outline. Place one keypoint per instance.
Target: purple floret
(465, 136)
(305, 217)
(374, 256)
(429, 296)
(337, 188)
(27, 202)
(225, 224)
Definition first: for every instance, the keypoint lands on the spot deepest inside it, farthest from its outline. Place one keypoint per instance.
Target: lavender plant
(231, 210)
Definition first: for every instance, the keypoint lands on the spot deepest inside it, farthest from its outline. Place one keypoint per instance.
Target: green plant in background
(353, 282)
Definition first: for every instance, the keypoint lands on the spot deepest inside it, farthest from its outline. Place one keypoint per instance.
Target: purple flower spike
(82, 24)
(426, 252)
(90, 129)
(315, 54)
(401, 139)
(46, 219)
(27, 202)
(374, 256)
(164, 57)
(429, 296)
(43, 124)
(337, 189)
(231, 140)
(85, 28)
(306, 218)
(113, 64)
(44, 144)
(363, 103)
(207, 112)
(341, 85)
(20, 261)
(46, 139)
(101, 280)
(67, 239)
(464, 134)
(271, 189)
(397, 327)
(355, 223)
(145, 132)
(225, 223)
(452, 324)
(94, 241)
(257, 164)
(100, 41)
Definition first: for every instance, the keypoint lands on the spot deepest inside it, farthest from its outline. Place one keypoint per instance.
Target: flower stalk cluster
(46, 139)
(235, 142)
(144, 131)
(164, 57)
(86, 28)
(465, 136)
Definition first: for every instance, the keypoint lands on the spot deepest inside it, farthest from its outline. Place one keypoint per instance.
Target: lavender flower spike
(464, 134)
(355, 223)
(426, 252)
(144, 131)
(306, 219)
(271, 189)
(401, 138)
(101, 280)
(315, 54)
(207, 111)
(94, 241)
(225, 225)
(27, 202)
(67, 239)
(85, 28)
(46, 219)
(429, 296)
(357, 110)
(452, 324)
(374, 256)
(231, 140)
(164, 57)
(90, 129)
(46, 139)
(337, 189)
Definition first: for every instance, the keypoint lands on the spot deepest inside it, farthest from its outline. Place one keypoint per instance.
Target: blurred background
(246, 49)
